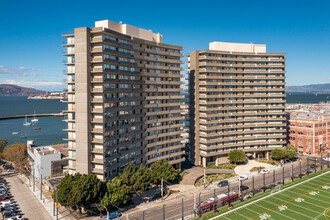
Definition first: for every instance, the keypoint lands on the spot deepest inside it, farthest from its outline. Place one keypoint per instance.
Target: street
(29, 205)
(173, 209)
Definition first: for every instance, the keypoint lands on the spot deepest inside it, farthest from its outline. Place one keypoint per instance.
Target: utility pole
(239, 188)
(308, 165)
(283, 175)
(204, 178)
(214, 192)
(274, 177)
(162, 190)
(182, 210)
(34, 181)
(40, 186)
(54, 201)
(56, 206)
(291, 171)
(321, 163)
(263, 180)
(228, 196)
(300, 169)
(253, 185)
(164, 212)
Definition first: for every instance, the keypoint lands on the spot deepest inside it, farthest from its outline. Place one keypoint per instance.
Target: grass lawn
(309, 200)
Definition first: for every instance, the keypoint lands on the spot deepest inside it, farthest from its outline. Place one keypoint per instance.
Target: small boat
(34, 120)
(14, 132)
(26, 123)
(36, 128)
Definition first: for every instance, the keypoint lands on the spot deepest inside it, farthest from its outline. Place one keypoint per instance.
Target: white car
(243, 177)
(326, 158)
(264, 171)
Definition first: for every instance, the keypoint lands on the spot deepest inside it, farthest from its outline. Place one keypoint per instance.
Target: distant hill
(13, 90)
(313, 88)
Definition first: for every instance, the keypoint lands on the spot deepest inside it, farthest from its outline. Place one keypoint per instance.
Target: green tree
(79, 191)
(117, 194)
(127, 174)
(291, 151)
(237, 156)
(3, 144)
(278, 154)
(163, 169)
(141, 179)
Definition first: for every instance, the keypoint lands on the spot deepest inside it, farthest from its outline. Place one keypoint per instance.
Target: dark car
(223, 183)
(244, 188)
(313, 166)
(8, 214)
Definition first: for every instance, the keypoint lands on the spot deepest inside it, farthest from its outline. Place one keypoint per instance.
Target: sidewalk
(47, 201)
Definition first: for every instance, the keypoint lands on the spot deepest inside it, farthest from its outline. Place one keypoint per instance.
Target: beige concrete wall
(82, 63)
(238, 47)
(130, 30)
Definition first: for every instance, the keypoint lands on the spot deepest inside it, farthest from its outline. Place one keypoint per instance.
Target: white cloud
(31, 69)
(21, 71)
(6, 70)
(33, 83)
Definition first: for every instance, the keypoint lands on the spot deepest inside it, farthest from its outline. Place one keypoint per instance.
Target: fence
(184, 208)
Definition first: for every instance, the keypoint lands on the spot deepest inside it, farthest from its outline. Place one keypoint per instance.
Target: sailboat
(34, 120)
(26, 123)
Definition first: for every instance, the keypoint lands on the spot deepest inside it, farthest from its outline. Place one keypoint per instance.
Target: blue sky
(30, 34)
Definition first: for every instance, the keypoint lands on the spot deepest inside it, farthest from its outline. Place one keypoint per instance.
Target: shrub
(257, 169)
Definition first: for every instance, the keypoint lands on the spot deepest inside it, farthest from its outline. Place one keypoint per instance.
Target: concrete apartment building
(44, 160)
(237, 101)
(309, 132)
(123, 99)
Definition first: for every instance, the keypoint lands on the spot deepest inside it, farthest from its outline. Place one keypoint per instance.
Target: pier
(32, 115)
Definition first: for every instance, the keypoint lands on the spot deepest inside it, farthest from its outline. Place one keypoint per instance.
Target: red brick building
(309, 132)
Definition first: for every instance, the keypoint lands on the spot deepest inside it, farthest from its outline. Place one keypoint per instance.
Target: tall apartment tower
(123, 99)
(237, 101)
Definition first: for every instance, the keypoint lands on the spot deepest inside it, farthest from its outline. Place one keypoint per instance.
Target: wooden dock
(32, 115)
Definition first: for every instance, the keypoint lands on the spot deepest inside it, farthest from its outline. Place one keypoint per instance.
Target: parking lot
(16, 200)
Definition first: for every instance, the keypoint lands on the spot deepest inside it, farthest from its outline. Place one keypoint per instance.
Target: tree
(127, 174)
(291, 151)
(163, 169)
(79, 191)
(17, 153)
(237, 156)
(278, 154)
(56, 143)
(117, 194)
(3, 144)
(141, 179)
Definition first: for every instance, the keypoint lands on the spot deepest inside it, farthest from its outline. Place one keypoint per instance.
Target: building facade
(237, 101)
(123, 99)
(41, 159)
(309, 133)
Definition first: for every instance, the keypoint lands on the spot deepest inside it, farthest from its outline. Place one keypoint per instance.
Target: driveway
(194, 173)
(245, 169)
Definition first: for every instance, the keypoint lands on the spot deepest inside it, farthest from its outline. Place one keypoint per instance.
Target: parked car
(326, 158)
(223, 183)
(244, 188)
(264, 171)
(8, 214)
(113, 215)
(243, 177)
(312, 158)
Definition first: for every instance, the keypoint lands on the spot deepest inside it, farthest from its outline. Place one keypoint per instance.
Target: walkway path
(196, 172)
(245, 169)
